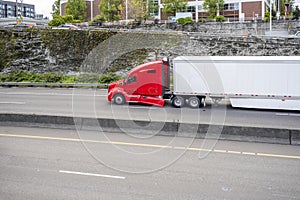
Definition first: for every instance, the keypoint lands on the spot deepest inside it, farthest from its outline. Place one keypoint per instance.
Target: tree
(296, 13)
(110, 9)
(56, 9)
(138, 9)
(152, 8)
(213, 6)
(77, 8)
(173, 6)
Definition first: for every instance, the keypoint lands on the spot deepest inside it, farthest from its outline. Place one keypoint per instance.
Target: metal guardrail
(43, 84)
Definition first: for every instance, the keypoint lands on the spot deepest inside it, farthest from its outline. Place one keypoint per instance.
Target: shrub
(51, 77)
(68, 18)
(88, 78)
(69, 79)
(109, 78)
(202, 20)
(57, 21)
(185, 21)
(267, 16)
(220, 18)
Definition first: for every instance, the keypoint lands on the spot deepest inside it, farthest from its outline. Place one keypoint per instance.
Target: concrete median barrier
(201, 131)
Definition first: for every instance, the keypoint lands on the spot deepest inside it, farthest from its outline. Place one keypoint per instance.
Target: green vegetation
(173, 6)
(108, 78)
(202, 20)
(76, 8)
(22, 76)
(220, 18)
(213, 6)
(111, 9)
(296, 13)
(56, 9)
(7, 48)
(59, 20)
(267, 16)
(185, 21)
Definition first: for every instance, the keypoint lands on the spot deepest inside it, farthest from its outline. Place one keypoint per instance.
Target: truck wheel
(119, 99)
(177, 102)
(194, 102)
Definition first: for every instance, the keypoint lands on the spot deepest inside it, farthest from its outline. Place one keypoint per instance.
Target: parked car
(67, 27)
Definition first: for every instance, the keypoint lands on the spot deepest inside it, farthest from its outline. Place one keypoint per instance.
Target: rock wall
(46, 50)
(100, 51)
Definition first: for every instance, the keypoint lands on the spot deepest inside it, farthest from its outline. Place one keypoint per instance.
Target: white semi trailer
(271, 82)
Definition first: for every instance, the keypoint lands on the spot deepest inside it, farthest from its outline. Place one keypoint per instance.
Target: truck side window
(131, 79)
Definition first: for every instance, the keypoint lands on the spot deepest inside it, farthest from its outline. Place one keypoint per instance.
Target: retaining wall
(201, 131)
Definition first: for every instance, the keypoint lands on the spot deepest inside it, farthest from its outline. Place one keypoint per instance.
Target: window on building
(155, 8)
(231, 6)
(200, 8)
(191, 9)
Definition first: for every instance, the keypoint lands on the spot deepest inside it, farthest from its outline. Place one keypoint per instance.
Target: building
(237, 10)
(92, 8)
(9, 9)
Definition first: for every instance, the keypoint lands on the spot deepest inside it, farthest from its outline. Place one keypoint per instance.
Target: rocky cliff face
(65, 51)
(41, 51)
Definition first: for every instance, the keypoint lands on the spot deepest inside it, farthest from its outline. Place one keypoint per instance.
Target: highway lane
(93, 103)
(60, 164)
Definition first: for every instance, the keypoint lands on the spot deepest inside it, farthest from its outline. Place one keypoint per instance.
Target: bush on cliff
(22, 76)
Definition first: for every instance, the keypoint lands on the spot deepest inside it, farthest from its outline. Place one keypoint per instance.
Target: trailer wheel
(194, 102)
(177, 102)
(119, 99)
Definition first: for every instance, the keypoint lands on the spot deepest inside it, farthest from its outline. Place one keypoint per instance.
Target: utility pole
(92, 10)
(21, 8)
(278, 9)
(197, 11)
(126, 11)
(271, 1)
(17, 13)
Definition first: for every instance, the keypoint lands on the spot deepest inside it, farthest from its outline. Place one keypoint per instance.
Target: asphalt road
(93, 103)
(63, 164)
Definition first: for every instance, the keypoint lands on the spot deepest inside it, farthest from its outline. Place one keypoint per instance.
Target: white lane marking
(51, 94)
(288, 114)
(90, 174)
(19, 103)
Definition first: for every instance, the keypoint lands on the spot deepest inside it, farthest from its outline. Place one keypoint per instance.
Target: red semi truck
(248, 81)
(146, 83)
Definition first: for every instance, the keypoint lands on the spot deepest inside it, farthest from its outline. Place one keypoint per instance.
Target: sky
(41, 6)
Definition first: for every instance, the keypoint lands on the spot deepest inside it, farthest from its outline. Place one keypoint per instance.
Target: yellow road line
(151, 145)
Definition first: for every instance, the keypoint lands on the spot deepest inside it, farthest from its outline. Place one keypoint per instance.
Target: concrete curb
(201, 131)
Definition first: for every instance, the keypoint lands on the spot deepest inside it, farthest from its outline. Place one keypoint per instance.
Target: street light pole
(126, 11)
(92, 10)
(17, 13)
(197, 10)
(271, 1)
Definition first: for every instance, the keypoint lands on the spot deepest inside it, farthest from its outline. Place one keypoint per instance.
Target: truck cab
(145, 84)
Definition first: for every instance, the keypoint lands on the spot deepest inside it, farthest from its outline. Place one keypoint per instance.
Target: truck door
(131, 84)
